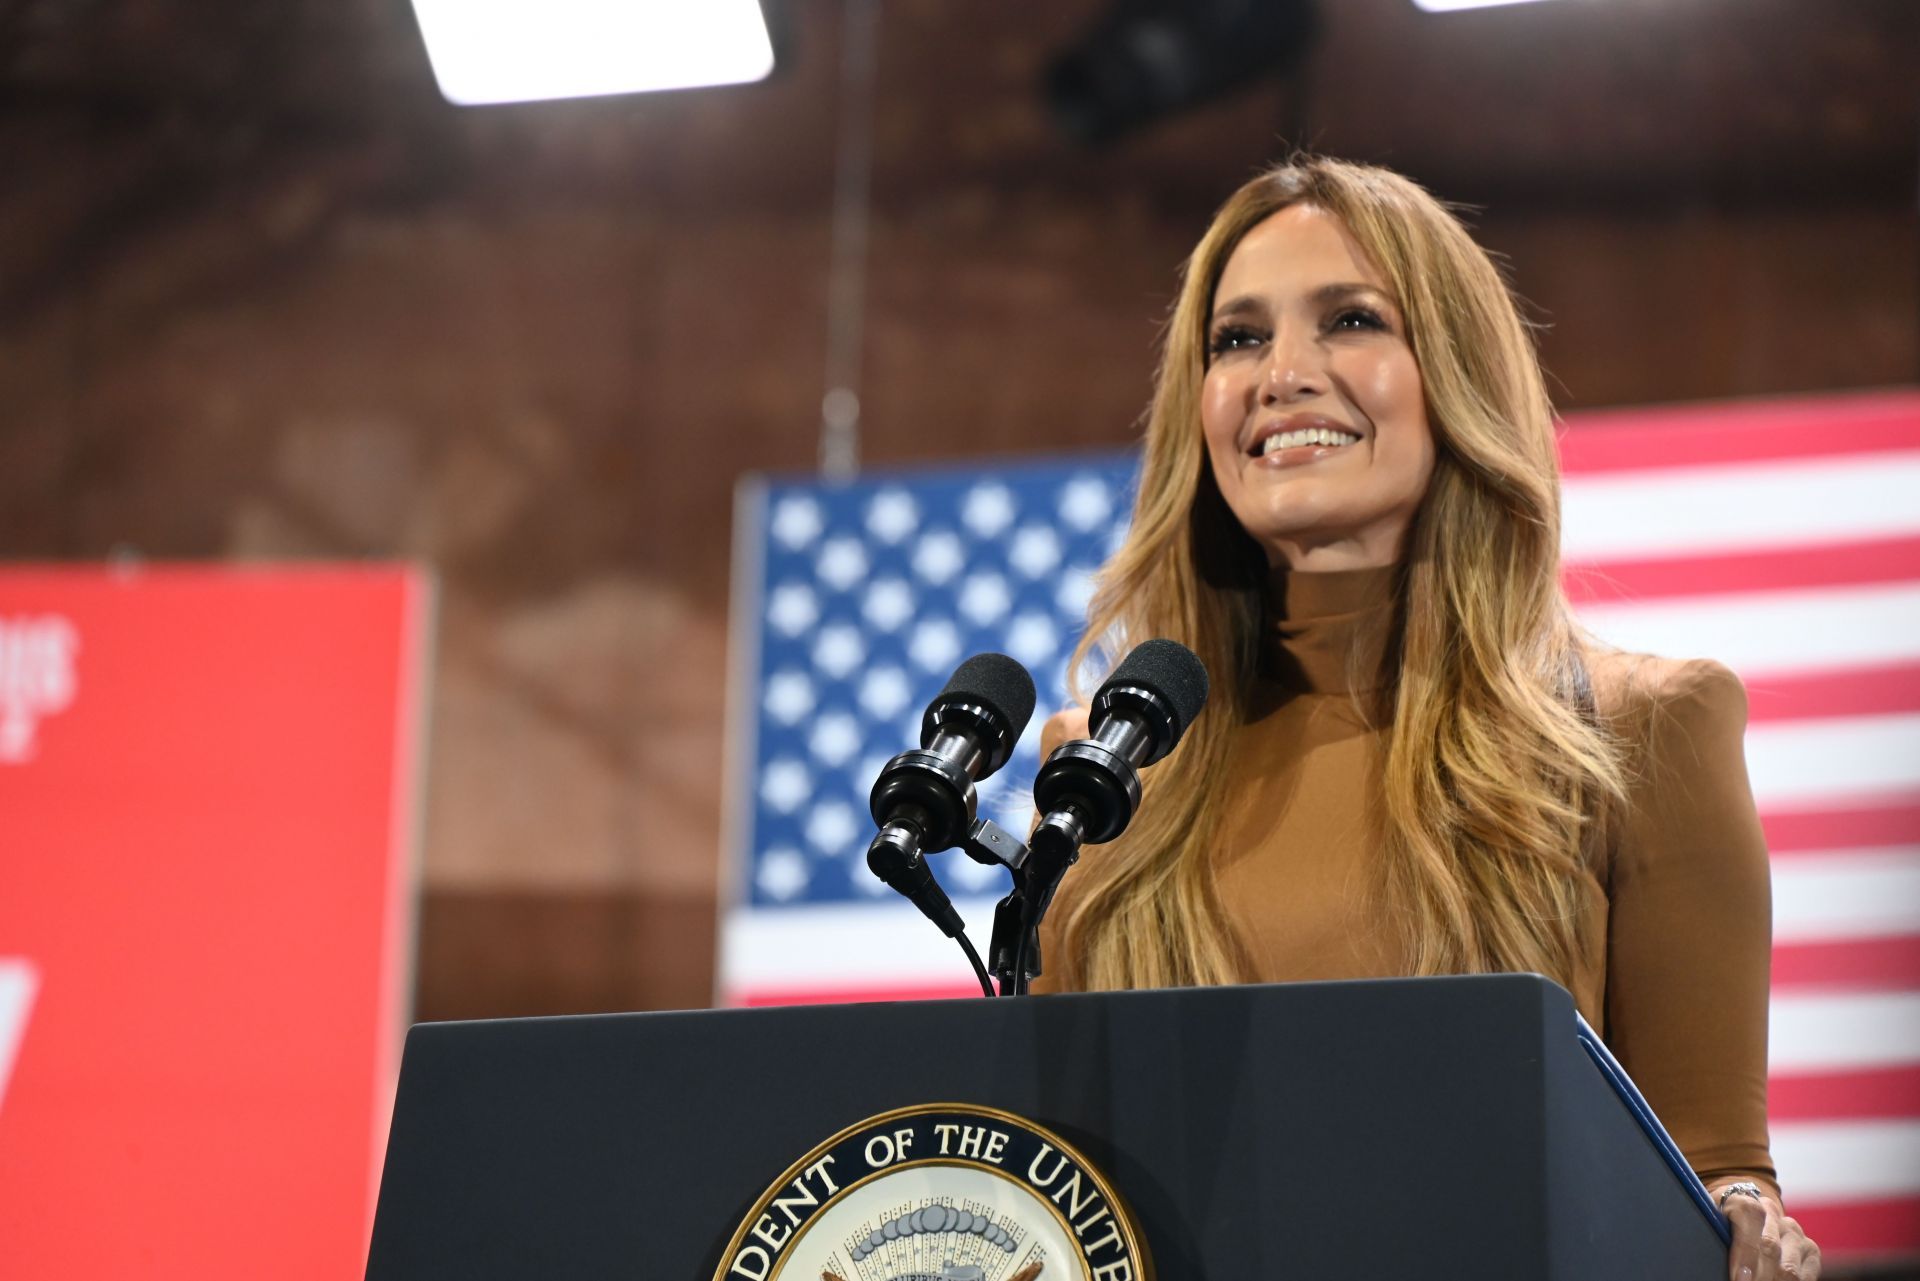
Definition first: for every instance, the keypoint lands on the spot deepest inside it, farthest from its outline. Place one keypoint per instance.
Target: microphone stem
(1056, 846)
(1128, 737)
(964, 750)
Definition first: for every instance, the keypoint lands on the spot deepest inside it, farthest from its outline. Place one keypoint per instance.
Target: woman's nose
(1295, 370)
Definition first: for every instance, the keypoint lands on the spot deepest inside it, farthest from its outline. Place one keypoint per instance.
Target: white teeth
(1306, 436)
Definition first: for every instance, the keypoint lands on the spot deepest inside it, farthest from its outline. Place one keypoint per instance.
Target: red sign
(207, 801)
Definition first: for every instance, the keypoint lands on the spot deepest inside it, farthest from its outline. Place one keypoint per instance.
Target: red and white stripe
(1784, 540)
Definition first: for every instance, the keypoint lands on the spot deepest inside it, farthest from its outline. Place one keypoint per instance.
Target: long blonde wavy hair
(1496, 771)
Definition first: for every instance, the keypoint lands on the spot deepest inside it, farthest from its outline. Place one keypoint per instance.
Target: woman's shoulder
(1628, 674)
(1631, 688)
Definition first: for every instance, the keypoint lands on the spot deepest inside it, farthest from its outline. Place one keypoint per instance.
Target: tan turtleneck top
(1677, 938)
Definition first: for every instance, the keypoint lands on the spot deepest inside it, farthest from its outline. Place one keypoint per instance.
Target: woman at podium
(1413, 760)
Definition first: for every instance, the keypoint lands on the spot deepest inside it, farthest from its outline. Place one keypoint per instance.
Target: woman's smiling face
(1314, 415)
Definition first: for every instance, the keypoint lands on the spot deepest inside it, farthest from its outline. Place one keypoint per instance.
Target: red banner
(207, 798)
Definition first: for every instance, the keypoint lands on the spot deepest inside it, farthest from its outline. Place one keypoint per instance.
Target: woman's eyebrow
(1240, 306)
(1319, 297)
(1347, 289)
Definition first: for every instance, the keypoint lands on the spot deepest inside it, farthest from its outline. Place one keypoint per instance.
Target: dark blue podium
(1432, 1128)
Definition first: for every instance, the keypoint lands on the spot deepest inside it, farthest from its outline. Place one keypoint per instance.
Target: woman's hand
(1767, 1245)
(1061, 727)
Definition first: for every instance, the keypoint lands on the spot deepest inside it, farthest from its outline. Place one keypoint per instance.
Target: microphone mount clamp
(1013, 953)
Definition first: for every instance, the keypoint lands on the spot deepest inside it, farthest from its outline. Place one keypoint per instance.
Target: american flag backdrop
(1782, 538)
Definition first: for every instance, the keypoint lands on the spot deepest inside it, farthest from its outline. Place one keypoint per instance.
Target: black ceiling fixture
(1144, 60)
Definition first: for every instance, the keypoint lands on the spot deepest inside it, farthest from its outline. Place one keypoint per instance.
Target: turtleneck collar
(1327, 631)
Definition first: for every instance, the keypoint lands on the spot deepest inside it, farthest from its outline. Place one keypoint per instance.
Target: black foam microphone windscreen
(992, 681)
(1171, 673)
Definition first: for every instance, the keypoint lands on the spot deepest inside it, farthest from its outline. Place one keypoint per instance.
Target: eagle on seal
(1028, 1273)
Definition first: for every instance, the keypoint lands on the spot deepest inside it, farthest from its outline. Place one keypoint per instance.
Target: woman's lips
(1299, 455)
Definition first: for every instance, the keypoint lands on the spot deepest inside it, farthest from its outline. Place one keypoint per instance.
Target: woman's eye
(1233, 338)
(1357, 318)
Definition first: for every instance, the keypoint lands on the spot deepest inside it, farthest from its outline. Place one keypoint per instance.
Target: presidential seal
(942, 1192)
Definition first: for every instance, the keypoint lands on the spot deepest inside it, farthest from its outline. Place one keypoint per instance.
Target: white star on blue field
(871, 593)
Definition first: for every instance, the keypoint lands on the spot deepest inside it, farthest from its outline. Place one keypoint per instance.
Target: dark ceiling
(118, 115)
(1588, 97)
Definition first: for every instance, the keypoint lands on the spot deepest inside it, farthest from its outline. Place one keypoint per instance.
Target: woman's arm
(1689, 947)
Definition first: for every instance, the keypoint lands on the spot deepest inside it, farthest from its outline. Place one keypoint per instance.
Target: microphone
(1089, 788)
(924, 800)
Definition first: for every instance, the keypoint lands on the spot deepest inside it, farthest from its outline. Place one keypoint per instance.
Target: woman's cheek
(1388, 388)
(1219, 408)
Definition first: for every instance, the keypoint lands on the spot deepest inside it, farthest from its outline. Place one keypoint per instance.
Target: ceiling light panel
(486, 51)
(1450, 6)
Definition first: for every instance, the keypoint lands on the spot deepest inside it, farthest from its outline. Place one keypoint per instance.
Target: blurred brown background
(264, 295)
